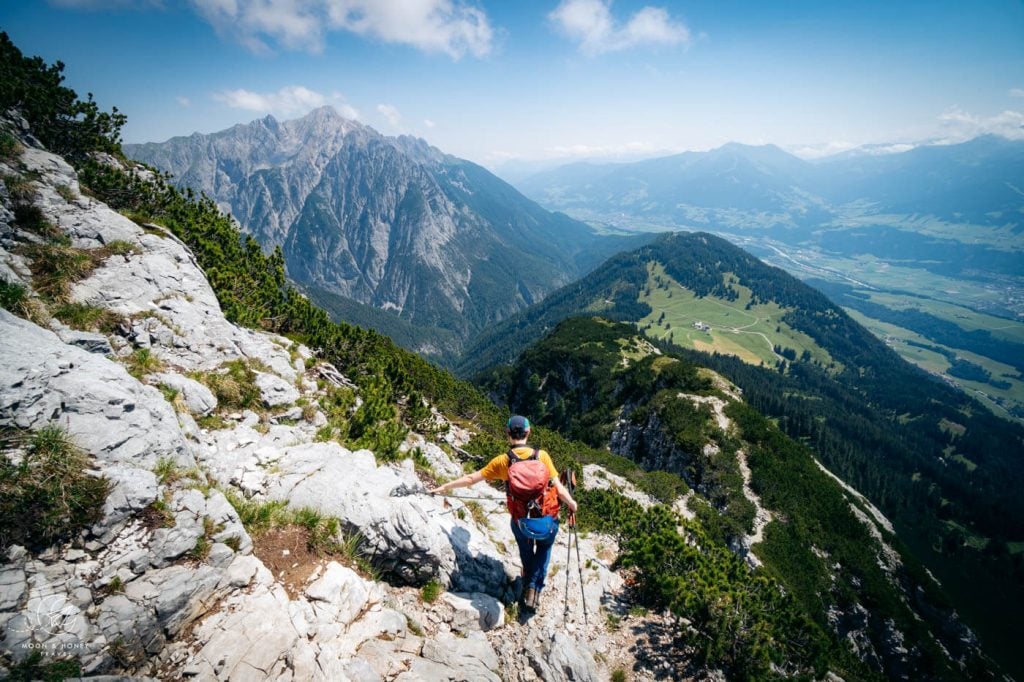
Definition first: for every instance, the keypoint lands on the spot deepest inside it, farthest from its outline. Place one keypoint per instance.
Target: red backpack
(529, 491)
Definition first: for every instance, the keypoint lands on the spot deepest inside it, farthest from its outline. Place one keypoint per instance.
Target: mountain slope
(752, 488)
(938, 228)
(944, 469)
(388, 222)
(978, 181)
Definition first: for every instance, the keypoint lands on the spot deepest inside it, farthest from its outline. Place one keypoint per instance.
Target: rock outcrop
(169, 582)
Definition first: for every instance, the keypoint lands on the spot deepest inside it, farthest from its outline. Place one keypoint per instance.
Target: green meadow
(748, 331)
(999, 399)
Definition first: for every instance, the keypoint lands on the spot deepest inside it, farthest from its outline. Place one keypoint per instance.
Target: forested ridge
(887, 428)
(596, 380)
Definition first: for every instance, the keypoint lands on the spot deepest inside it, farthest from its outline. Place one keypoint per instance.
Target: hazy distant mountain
(980, 181)
(389, 222)
(683, 187)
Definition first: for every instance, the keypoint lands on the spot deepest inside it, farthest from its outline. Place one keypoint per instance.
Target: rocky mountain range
(387, 222)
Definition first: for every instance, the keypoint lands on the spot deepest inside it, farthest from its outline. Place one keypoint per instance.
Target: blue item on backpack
(541, 528)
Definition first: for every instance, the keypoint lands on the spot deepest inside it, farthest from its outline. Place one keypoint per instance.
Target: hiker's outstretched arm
(565, 496)
(465, 481)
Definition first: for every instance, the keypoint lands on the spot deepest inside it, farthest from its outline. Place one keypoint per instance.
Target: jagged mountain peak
(388, 222)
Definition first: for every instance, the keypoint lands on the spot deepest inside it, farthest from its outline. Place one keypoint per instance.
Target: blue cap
(517, 424)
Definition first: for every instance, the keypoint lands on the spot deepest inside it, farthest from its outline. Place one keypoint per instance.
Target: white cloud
(959, 125)
(348, 111)
(294, 24)
(100, 5)
(428, 123)
(591, 23)
(293, 99)
(583, 150)
(1016, 92)
(391, 113)
(819, 151)
(451, 27)
(184, 102)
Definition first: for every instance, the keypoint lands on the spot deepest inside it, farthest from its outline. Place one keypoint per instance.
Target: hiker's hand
(439, 490)
(571, 504)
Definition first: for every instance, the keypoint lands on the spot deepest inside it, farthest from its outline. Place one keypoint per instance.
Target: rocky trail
(170, 583)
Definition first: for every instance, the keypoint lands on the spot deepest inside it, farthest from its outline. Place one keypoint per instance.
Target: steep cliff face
(201, 429)
(389, 222)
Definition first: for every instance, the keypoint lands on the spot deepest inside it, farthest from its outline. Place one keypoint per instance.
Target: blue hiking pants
(535, 556)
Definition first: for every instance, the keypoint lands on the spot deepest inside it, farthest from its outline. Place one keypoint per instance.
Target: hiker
(533, 491)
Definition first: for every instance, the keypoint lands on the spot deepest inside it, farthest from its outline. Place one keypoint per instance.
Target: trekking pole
(568, 556)
(579, 564)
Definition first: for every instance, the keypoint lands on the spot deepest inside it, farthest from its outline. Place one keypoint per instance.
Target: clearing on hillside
(754, 332)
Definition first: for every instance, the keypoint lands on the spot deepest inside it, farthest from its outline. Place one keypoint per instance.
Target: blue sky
(549, 79)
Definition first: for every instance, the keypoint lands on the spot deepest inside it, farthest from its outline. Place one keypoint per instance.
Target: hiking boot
(530, 598)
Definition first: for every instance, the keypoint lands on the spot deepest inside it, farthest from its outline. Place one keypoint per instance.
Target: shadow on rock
(476, 572)
(663, 649)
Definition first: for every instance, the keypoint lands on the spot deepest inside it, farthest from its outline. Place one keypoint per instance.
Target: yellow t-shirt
(497, 468)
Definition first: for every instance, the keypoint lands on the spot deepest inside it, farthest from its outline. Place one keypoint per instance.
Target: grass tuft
(430, 592)
(142, 362)
(46, 494)
(12, 297)
(10, 148)
(19, 188)
(56, 267)
(87, 317)
(66, 193)
(234, 385)
(31, 219)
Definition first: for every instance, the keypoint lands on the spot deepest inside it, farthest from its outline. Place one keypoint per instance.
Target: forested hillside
(604, 384)
(941, 466)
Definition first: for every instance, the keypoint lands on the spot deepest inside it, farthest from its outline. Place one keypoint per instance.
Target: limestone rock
(475, 611)
(89, 341)
(198, 398)
(340, 595)
(13, 587)
(465, 658)
(560, 658)
(275, 391)
(408, 535)
(134, 625)
(134, 489)
(106, 411)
